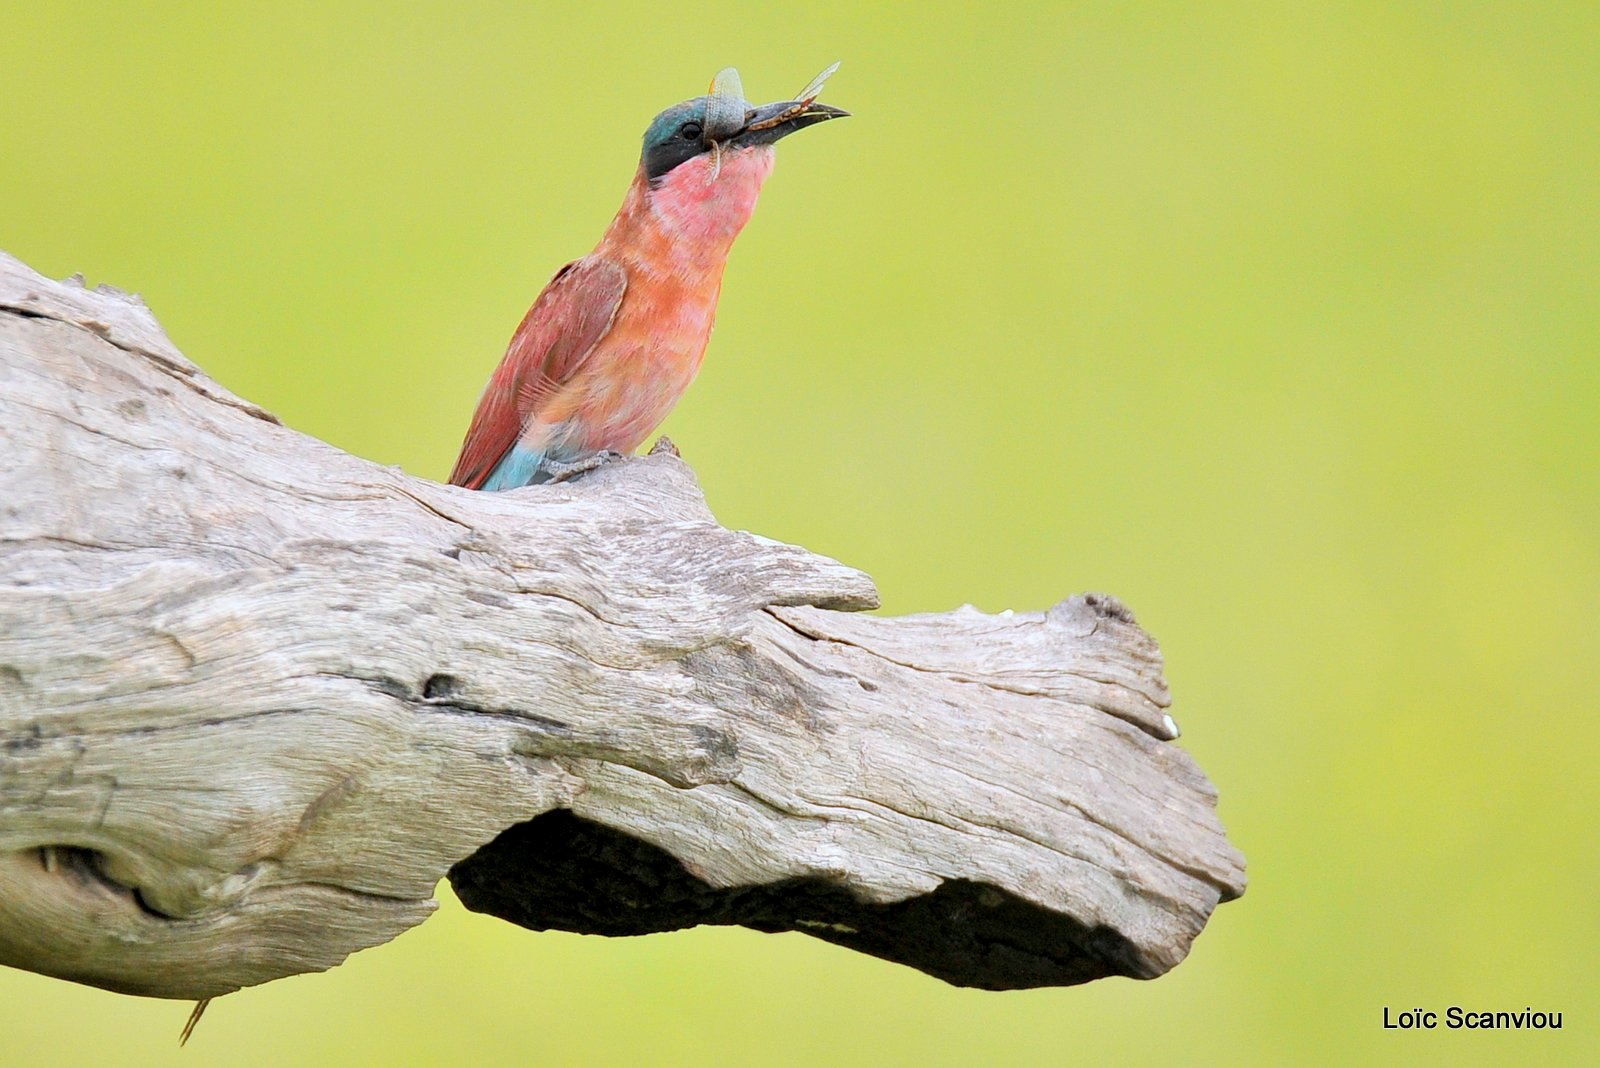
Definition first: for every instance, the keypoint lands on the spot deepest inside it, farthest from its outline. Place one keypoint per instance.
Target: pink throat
(702, 205)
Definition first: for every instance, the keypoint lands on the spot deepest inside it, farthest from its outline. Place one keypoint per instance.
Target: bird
(615, 338)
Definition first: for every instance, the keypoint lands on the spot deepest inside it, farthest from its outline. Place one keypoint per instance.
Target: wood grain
(257, 696)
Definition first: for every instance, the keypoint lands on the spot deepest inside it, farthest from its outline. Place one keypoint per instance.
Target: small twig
(194, 1018)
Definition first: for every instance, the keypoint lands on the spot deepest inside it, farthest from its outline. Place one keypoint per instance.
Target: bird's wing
(570, 317)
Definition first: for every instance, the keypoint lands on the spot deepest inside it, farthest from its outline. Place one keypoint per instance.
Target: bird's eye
(690, 131)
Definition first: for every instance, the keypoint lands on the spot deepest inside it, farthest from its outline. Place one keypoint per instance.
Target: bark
(257, 696)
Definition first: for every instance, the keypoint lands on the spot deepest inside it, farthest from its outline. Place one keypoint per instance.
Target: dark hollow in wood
(561, 872)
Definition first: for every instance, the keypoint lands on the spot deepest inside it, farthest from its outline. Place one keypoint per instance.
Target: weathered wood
(258, 695)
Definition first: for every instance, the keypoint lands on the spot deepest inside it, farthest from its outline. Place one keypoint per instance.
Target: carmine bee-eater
(616, 337)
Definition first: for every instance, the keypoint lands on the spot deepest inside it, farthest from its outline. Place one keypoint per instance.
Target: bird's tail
(520, 466)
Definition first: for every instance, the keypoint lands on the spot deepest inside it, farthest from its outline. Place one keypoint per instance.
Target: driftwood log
(257, 696)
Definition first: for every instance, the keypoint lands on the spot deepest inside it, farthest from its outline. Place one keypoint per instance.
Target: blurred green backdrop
(1278, 321)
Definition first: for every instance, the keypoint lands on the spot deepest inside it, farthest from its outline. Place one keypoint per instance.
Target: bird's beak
(772, 122)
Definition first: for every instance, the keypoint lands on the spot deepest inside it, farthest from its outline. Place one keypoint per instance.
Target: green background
(1278, 321)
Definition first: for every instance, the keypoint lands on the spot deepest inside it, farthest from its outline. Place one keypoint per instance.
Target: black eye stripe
(660, 159)
(676, 136)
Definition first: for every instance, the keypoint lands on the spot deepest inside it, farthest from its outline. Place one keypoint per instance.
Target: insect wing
(813, 88)
(725, 107)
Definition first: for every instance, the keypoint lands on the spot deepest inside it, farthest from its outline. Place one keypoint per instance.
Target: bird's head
(705, 159)
(723, 123)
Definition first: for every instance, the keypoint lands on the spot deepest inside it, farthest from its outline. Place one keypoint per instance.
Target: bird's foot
(560, 472)
(664, 446)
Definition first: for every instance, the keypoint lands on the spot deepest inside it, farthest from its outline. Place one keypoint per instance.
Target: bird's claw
(560, 472)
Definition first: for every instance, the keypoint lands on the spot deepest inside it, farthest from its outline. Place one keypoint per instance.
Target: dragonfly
(727, 109)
